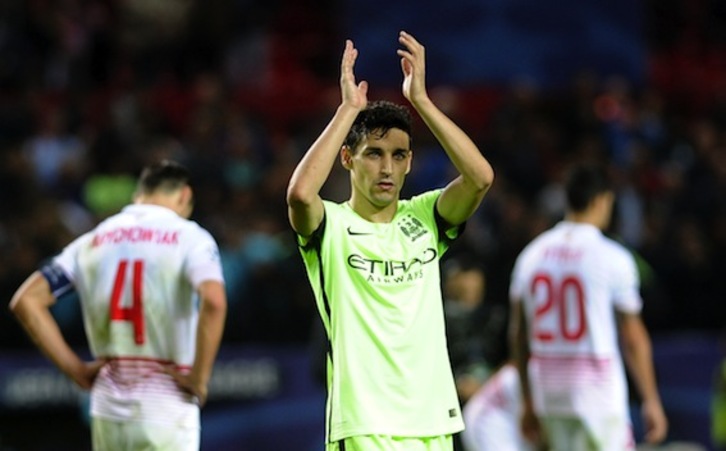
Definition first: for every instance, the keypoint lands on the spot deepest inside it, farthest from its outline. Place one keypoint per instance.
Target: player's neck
(159, 201)
(583, 218)
(373, 213)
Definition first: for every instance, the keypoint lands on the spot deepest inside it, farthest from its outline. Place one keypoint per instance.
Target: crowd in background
(90, 91)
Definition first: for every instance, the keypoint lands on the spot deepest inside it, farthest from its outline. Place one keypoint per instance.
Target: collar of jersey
(347, 205)
(149, 209)
(580, 226)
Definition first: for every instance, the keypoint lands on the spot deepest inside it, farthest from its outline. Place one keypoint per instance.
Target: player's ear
(185, 201)
(410, 159)
(346, 157)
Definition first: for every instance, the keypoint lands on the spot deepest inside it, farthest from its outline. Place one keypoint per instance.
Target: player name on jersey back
(136, 235)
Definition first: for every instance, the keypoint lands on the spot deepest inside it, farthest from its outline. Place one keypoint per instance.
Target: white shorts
(494, 431)
(568, 433)
(112, 435)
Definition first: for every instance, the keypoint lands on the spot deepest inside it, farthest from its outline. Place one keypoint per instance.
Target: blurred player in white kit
(492, 414)
(152, 294)
(575, 297)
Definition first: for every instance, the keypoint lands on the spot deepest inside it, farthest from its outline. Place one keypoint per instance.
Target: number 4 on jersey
(135, 313)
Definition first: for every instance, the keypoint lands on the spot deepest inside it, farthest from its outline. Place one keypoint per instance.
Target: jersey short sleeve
(59, 283)
(424, 205)
(203, 261)
(626, 283)
(66, 260)
(60, 272)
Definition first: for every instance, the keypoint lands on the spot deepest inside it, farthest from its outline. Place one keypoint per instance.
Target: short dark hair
(584, 182)
(378, 117)
(164, 175)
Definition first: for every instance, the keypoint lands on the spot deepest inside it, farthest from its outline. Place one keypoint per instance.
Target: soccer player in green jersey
(373, 264)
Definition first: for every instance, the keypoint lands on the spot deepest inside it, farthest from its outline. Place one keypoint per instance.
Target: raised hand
(355, 95)
(413, 65)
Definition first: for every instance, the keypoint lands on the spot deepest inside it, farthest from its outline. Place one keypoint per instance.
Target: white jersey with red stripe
(136, 275)
(571, 280)
(493, 414)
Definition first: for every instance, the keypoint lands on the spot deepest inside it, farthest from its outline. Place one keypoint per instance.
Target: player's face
(379, 166)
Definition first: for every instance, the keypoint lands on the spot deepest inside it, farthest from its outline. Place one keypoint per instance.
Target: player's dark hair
(165, 176)
(584, 182)
(378, 117)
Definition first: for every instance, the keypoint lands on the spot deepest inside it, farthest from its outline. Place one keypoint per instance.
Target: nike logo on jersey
(354, 233)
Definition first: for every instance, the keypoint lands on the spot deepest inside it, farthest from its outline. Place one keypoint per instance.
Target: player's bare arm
(210, 327)
(305, 207)
(637, 352)
(464, 194)
(519, 344)
(31, 304)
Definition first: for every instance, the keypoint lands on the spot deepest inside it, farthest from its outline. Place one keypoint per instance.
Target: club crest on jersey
(412, 227)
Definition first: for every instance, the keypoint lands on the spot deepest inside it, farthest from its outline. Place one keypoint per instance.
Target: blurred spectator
(467, 330)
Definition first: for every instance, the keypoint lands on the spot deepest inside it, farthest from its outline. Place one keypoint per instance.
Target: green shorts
(389, 443)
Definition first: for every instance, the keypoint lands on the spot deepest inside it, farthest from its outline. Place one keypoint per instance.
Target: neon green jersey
(378, 291)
